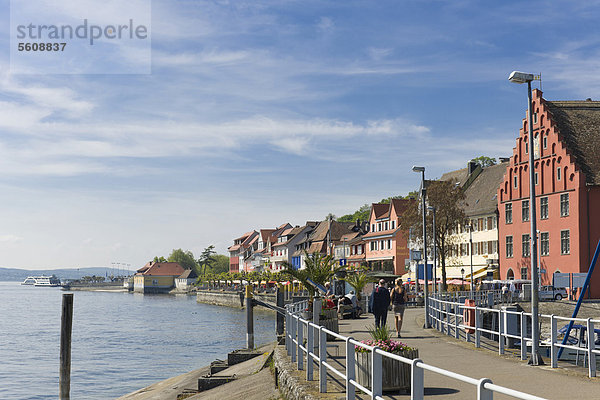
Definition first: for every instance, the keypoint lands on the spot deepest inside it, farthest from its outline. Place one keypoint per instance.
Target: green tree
(160, 259)
(358, 280)
(484, 161)
(318, 268)
(447, 199)
(184, 258)
(220, 264)
(207, 258)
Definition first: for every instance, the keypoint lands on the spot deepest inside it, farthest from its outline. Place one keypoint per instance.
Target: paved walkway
(458, 356)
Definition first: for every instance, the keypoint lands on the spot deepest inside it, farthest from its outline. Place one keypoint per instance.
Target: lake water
(121, 341)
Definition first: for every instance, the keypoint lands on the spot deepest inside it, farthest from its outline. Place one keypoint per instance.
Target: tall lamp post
(424, 209)
(536, 359)
(431, 208)
(462, 279)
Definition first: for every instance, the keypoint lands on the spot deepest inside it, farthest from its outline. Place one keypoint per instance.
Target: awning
(477, 274)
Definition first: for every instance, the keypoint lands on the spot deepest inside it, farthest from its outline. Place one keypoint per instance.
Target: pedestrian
(398, 297)
(379, 303)
(328, 291)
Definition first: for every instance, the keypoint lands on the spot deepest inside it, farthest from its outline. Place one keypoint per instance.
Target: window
(526, 243)
(509, 247)
(508, 212)
(564, 204)
(525, 210)
(558, 173)
(545, 142)
(545, 243)
(373, 228)
(543, 207)
(379, 226)
(526, 147)
(382, 245)
(476, 248)
(373, 245)
(515, 181)
(385, 226)
(565, 245)
(524, 273)
(535, 179)
(535, 118)
(490, 223)
(480, 224)
(389, 244)
(393, 225)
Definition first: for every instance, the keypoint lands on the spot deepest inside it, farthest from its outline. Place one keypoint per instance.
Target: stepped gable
(578, 124)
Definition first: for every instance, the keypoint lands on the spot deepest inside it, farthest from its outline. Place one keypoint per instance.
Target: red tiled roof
(379, 209)
(161, 269)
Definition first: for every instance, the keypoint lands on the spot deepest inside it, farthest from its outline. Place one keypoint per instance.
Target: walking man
(379, 303)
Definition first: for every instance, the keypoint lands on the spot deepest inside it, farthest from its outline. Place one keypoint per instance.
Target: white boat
(42, 280)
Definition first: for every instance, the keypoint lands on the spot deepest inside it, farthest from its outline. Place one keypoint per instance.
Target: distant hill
(15, 274)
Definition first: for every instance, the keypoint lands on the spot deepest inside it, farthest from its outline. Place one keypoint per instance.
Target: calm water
(121, 341)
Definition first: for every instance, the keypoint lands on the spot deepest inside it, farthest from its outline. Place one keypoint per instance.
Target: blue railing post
(309, 351)
(350, 370)
(482, 392)
(300, 340)
(591, 345)
(553, 348)
(523, 336)
(376, 373)
(322, 360)
(417, 380)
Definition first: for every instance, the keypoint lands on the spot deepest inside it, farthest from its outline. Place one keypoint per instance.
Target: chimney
(471, 167)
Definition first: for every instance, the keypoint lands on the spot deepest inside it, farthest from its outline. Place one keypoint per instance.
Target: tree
(220, 264)
(447, 199)
(184, 258)
(318, 268)
(160, 259)
(207, 258)
(484, 161)
(358, 280)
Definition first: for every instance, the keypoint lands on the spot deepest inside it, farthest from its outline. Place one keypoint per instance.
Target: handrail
(449, 318)
(314, 351)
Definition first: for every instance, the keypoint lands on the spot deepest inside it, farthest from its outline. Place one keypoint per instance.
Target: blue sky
(258, 113)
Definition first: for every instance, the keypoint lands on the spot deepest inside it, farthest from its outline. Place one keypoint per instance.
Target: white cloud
(10, 238)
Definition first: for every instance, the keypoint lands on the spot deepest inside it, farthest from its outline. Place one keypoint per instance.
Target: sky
(249, 114)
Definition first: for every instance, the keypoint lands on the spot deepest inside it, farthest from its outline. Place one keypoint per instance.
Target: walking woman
(399, 298)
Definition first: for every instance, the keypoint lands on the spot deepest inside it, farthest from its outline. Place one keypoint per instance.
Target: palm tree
(318, 268)
(358, 281)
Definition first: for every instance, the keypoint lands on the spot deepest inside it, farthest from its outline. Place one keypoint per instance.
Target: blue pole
(585, 286)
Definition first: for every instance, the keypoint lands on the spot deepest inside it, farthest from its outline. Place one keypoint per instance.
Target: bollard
(66, 327)
(249, 319)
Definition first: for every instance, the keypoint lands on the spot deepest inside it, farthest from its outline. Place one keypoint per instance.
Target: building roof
(161, 269)
(188, 274)
(481, 197)
(578, 124)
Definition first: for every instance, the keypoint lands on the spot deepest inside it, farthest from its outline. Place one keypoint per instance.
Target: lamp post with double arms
(536, 359)
(424, 209)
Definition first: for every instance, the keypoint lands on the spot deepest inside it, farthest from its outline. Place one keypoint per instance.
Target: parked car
(552, 293)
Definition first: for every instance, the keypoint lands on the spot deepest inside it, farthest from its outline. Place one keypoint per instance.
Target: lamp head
(418, 169)
(521, 77)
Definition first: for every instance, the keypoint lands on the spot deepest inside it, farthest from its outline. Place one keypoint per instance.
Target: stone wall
(230, 299)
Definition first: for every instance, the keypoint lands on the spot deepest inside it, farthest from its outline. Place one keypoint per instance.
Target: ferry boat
(42, 280)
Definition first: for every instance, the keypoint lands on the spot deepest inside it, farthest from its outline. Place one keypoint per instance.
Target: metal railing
(306, 344)
(462, 321)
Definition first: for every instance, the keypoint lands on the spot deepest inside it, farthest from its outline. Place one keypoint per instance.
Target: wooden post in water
(66, 325)
(249, 318)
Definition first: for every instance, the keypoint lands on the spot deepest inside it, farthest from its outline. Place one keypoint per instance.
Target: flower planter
(396, 375)
(329, 320)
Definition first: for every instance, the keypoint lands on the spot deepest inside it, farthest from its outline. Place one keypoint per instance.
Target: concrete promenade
(458, 356)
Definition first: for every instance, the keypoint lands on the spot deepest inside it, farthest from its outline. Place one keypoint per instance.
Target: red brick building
(566, 137)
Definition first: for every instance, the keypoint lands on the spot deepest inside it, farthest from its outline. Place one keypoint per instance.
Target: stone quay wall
(231, 298)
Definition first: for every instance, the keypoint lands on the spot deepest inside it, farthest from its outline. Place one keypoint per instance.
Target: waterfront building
(386, 245)
(286, 244)
(156, 277)
(320, 239)
(186, 280)
(566, 139)
(239, 249)
(476, 241)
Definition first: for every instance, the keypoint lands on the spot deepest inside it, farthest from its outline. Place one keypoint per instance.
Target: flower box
(396, 375)
(329, 320)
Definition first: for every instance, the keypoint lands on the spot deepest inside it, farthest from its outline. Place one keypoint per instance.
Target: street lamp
(425, 291)
(431, 208)
(536, 359)
(462, 279)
